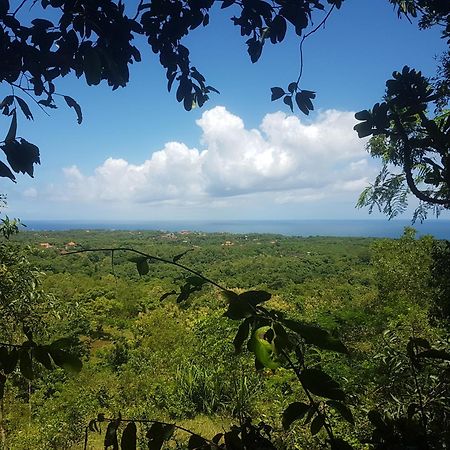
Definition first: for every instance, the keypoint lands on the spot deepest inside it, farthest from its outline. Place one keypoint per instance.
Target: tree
(406, 136)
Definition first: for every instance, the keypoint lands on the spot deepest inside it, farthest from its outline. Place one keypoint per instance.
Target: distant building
(45, 245)
(71, 244)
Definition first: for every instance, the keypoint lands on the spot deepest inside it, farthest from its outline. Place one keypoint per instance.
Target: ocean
(440, 229)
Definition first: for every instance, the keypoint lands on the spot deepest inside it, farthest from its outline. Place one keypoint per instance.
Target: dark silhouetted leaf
(73, 104)
(196, 442)
(319, 383)
(277, 93)
(111, 436)
(65, 360)
(363, 115)
(25, 363)
(92, 66)
(24, 107)
(128, 440)
(41, 354)
(238, 308)
(158, 433)
(315, 335)
(11, 136)
(316, 424)
(2, 385)
(142, 266)
(10, 361)
(436, 354)
(343, 410)
(241, 335)
(293, 412)
(292, 87)
(5, 172)
(287, 100)
(340, 444)
(179, 256)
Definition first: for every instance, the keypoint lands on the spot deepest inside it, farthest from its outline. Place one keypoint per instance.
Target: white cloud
(287, 157)
(30, 193)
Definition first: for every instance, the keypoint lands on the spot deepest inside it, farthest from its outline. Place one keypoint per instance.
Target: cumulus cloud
(287, 157)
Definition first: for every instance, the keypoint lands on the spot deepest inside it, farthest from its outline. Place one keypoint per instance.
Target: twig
(156, 258)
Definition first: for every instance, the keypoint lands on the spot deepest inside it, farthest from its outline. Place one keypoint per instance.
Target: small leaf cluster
(303, 98)
(22, 357)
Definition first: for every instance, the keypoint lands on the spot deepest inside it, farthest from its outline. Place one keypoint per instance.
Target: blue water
(440, 229)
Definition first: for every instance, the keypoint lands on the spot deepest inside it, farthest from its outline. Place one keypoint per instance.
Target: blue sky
(139, 155)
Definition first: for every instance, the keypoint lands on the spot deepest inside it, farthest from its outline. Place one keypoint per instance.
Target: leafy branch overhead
(96, 41)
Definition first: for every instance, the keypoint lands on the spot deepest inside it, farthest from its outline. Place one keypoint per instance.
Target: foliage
(95, 40)
(414, 145)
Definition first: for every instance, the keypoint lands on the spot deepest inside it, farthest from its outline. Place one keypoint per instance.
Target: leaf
(315, 335)
(292, 87)
(255, 297)
(66, 360)
(142, 266)
(5, 172)
(293, 412)
(287, 100)
(340, 444)
(158, 433)
(22, 156)
(277, 93)
(241, 335)
(41, 354)
(434, 353)
(316, 424)
(2, 385)
(196, 442)
(25, 363)
(11, 136)
(343, 410)
(263, 349)
(111, 436)
(363, 115)
(10, 362)
(73, 104)
(24, 107)
(92, 66)
(237, 308)
(128, 440)
(319, 383)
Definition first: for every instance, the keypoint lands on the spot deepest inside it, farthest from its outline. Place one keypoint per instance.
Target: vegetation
(152, 360)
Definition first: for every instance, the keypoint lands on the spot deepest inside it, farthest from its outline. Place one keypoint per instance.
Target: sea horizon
(380, 228)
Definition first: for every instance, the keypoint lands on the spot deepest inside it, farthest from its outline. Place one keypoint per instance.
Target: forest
(112, 347)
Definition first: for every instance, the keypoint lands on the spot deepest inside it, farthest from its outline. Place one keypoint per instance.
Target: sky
(139, 156)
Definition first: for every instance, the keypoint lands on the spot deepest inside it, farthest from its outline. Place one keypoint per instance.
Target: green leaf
(241, 335)
(263, 349)
(11, 136)
(293, 412)
(315, 335)
(25, 363)
(128, 440)
(343, 410)
(316, 424)
(319, 383)
(142, 266)
(66, 360)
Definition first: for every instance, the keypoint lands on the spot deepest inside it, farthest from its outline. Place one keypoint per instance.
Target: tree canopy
(98, 41)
